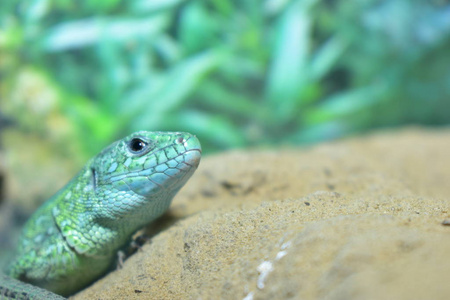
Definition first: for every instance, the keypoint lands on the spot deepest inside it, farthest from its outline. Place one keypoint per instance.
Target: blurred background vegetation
(236, 73)
(76, 75)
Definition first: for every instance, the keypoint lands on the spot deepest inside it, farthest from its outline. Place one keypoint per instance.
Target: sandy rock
(357, 219)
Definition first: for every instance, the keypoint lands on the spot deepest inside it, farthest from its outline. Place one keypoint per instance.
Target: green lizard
(74, 237)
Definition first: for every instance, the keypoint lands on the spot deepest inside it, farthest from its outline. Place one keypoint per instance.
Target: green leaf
(217, 97)
(346, 103)
(218, 129)
(196, 28)
(287, 74)
(161, 94)
(83, 33)
(149, 6)
(325, 58)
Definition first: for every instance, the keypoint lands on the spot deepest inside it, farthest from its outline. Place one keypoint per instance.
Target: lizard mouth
(192, 157)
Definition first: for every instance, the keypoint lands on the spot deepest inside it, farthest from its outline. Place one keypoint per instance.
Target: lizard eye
(137, 145)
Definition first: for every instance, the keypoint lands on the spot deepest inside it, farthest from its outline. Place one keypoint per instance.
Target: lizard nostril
(180, 140)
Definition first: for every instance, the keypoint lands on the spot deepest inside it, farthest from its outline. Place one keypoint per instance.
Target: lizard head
(140, 174)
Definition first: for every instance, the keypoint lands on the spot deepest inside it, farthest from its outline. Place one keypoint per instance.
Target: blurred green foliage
(236, 73)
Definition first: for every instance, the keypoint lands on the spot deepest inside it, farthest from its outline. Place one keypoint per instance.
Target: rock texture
(365, 218)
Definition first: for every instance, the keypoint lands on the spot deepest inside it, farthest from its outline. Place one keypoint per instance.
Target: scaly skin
(73, 238)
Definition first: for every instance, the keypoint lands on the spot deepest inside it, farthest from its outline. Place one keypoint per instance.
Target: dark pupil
(137, 145)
